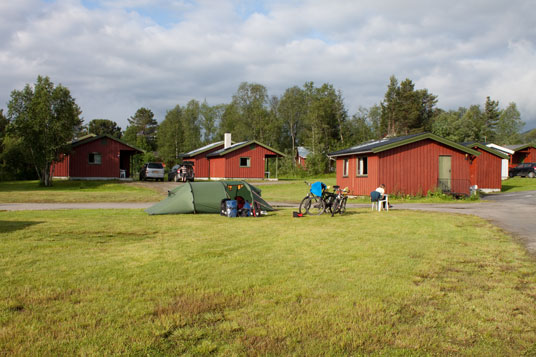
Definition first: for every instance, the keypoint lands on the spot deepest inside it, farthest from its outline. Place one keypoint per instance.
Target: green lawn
(75, 191)
(94, 282)
(516, 184)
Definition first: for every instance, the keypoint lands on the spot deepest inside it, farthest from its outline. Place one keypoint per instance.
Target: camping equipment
(231, 208)
(206, 197)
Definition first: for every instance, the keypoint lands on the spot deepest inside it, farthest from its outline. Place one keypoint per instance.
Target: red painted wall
(302, 161)
(486, 171)
(61, 168)
(217, 167)
(76, 164)
(521, 156)
(358, 185)
(201, 163)
(411, 169)
(256, 154)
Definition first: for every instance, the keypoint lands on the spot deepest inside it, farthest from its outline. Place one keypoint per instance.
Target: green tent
(206, 197)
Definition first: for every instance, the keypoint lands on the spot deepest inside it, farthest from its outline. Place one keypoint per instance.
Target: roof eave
(490, 150)
(225, 152)
(350, 153)
(423, 137)
(97, 137)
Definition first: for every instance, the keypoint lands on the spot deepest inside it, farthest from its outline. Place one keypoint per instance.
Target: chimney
(226, 140)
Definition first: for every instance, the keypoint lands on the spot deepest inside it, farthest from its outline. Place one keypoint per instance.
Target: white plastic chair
(378, 205)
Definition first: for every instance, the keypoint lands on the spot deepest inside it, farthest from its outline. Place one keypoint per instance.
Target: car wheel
(531, 174)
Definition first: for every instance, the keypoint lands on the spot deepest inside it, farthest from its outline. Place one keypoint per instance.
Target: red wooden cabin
(247, 159)
(413, 164)
(486, 168)
(522, 154)
(200, 160)
(301, 156)
(225, 160)
(97, 157)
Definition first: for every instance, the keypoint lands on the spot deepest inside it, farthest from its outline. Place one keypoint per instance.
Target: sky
(118, 56)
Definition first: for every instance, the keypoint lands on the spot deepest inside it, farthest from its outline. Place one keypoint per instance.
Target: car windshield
(155, 165)
(174, 168)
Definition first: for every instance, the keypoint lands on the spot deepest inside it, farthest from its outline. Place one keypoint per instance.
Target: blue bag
(231, 208)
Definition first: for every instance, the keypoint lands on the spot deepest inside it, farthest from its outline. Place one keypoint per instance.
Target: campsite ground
(117, 281)
(122, 282)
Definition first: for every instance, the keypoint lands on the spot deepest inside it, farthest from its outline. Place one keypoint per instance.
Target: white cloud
(117, 56)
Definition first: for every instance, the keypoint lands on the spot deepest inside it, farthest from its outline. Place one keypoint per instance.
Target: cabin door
(444, 179)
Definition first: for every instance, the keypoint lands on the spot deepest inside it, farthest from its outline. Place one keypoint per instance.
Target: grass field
(290, 191)
(93, 282)
(75, 191)
(519, 184)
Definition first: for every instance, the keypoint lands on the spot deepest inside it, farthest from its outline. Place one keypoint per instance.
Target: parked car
(182, 172)
(152, 170)
(526, 169)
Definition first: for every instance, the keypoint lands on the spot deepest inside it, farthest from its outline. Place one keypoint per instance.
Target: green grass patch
(99, 282)
(75, 191)
(292, 191)
(517, 184)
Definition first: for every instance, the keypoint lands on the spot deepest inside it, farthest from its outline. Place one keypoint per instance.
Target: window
(362, 166)
(345, 168)
(94, 158)
(245, 162)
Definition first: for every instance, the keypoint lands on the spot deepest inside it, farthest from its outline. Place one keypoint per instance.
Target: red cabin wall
(411, 169)
(488, 171)
(108, 149)
(414, 168)
(256, 154)
(531, 157)
(302, 161)
(201, 163)
(522, 156)
(217, 167)
(358, 185)
(61, 168)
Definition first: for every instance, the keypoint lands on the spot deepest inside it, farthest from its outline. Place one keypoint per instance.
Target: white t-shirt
(381, 190)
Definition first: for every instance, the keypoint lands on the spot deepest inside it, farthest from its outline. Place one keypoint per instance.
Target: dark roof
(303, 152)
(201, 149)
(391, 143)
(92, 137)
(482, 146)
(520, 146)
(225, 151)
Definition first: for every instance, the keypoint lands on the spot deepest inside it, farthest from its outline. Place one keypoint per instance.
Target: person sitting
(382, 195)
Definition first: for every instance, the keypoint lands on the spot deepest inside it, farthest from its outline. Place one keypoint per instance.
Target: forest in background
(313, 116)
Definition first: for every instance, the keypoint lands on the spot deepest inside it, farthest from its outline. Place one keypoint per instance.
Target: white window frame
(345, 166)
(361, 164)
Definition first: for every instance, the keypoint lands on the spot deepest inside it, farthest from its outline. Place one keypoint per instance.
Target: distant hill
(529, 136)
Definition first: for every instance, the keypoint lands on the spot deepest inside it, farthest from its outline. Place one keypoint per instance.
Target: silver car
(152, 170)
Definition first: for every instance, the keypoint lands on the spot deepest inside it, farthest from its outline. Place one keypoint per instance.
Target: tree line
(42, 120)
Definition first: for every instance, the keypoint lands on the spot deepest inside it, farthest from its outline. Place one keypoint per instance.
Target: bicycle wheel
(342, 208)
(304, 205)
(335, 207)
(315, 206)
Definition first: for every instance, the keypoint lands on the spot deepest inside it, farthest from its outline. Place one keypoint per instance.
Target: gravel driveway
(514, 212)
